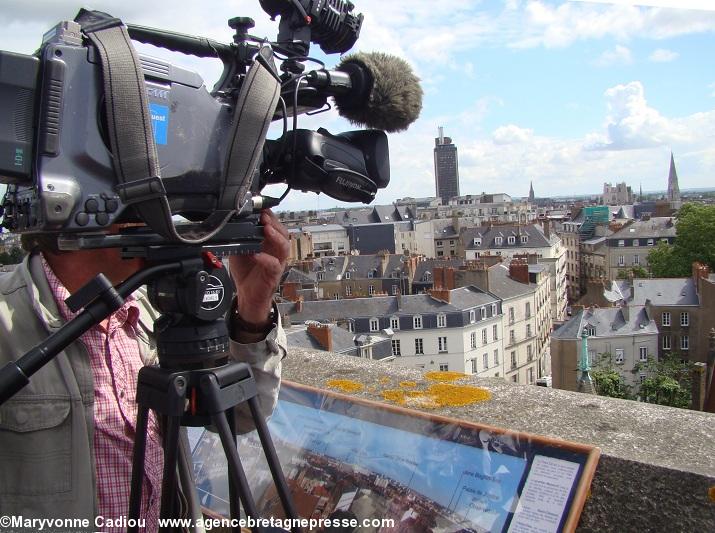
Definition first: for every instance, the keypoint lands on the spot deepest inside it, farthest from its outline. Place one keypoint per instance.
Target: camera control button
(82, 219)
(111, 205)
(91, 205)
(102, 219)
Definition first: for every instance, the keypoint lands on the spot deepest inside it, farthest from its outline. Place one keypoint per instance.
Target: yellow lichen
(408, 384)
(345, 385)
(444, 376)
(384, 380)
(438, 395)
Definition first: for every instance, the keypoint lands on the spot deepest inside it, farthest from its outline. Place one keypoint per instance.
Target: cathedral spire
(531, 191)
(673, 195)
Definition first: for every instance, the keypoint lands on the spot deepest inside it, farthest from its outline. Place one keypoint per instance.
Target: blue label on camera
(160, 122)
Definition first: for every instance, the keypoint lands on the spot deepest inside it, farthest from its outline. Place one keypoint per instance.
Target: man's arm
(257, 337)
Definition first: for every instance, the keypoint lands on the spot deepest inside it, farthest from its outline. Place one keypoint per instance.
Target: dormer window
(321, 276)
(370, 274)
(483, 311)
(498, 241)
(347, 275)
(524, 239)
(427, 276)
(590, 331)
(478, 241)
(441, 320)
(511, 239)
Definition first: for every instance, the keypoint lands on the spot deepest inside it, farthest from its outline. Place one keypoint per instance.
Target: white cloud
(662, 55)
(511, 134)
(632, 124)
(618, 56)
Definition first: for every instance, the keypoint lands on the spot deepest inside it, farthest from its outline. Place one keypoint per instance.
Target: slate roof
(504, 287)
(653, 227)
(608, 322)
(536, 237)
(332, 310)
(665, 291)
(298, 336)
(430, 264)
(619, 291)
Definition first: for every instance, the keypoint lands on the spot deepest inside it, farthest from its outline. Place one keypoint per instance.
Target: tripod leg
(235, 468)
(171, 453)
(232, 489)
(135, 495)
(273, 462)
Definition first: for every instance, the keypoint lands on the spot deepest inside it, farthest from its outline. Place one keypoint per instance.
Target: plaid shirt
(115, 361)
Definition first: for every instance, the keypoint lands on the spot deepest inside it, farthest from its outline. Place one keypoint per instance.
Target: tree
(636, 272)
(695, 226)
(608, 381)
(668, 382)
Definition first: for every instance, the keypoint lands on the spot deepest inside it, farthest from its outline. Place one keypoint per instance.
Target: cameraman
(66, 439)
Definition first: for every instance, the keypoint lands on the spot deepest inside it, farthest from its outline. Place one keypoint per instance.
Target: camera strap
(136, 163)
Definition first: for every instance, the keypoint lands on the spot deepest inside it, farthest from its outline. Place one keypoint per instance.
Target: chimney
(290, 291)
(443, 295)
(547, 228)
(438, 277)
(519, 271)
(322, 334)
(299, 305)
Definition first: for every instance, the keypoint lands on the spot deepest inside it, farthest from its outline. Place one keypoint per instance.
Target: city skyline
(567, 95)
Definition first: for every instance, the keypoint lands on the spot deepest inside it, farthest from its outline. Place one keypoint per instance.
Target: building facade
(446, 168)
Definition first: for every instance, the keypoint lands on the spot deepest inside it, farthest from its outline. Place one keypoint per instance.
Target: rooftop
(665, 291)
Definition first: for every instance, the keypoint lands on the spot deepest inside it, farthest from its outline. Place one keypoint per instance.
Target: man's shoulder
(14, 279)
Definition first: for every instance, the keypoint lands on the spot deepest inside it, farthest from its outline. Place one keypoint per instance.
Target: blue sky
(569, 94)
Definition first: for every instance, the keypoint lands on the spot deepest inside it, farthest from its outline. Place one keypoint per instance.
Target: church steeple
(673, 195)
(531, 191)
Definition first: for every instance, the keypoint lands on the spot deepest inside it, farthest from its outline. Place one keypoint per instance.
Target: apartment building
(629, 246)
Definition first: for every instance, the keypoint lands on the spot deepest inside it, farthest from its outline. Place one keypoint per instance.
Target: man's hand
(257, 276)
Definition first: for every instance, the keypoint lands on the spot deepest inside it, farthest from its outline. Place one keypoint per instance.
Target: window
(396, 347)
(513, 360)
(347, 275)
(621, 242)
(511, 315)
(636, 260)
(441, 320)
(530, 375)
(666, 342)
(684, 319)
(484, 336)
(417, 322)
(321, 276)
(472, 316)
(498, 241)
(665, 319)
(528, 330)
(643, 353)
(374, 324)
(636, 243)
(474, 339)
(370, 274)
(394, 323)
(650, 242)
(474, 366)
(684, 342)
(495, 333)
(442, 344)
(515, 378)
(443, 367)
(351, 326)
(483, 312)
(524, 239)
(528, 309)
(494, 309)
(419, 347)
(619, 356)
(512, 337)
(440, 243)
(529, 353)
(477, 242)
(485, 360)
(590, 331)
(371, 289)
(348, 290)
(511, 239)
(621, 260)
(395, 290)
(496, 357)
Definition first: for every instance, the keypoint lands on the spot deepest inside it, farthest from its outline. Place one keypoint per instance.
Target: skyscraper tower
(446, 168)
(673, 195)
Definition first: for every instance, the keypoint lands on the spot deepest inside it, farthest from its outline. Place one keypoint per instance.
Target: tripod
(194, 384)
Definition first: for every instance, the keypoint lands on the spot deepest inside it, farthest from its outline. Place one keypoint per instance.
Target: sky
(567, 94)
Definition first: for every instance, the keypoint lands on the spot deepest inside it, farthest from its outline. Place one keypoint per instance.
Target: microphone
(373, 90)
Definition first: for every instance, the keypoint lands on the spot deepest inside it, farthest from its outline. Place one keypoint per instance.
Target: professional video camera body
(64, 128)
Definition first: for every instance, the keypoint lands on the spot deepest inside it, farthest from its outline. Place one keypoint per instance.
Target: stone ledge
(657, 463)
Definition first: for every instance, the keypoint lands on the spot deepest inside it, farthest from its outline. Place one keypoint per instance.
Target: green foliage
(668, 382)
(13, 257)
(608, 381)
(694, 228)
(633, 272)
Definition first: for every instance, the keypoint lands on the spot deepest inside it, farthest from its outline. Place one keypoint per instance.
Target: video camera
(82, 149)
